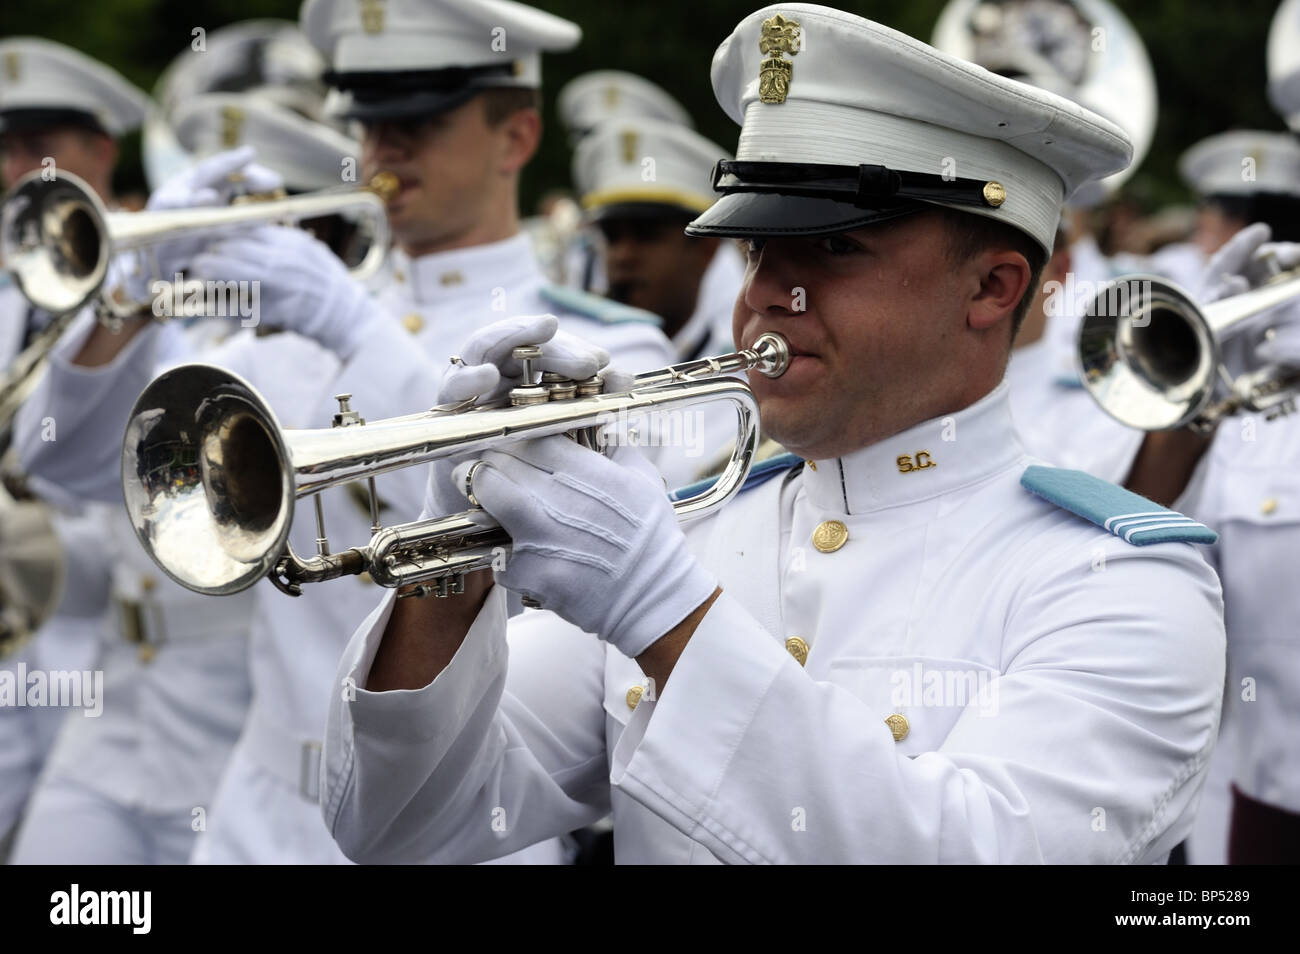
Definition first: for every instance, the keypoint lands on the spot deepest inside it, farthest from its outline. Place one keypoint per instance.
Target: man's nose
(620, 250)
(384, 142)
(770, 288)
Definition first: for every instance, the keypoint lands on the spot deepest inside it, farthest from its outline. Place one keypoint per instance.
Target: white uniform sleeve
(1108, 705)
(69, 432)
(477, 764)
(84, 539)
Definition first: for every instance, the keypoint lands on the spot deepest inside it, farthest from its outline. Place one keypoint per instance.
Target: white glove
(301, 285)
(1246, 261)
(593, 539)
(211, 182)
(487, 372)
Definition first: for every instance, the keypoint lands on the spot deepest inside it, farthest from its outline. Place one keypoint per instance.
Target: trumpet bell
(52, 240)
(206, 479)
(1146, 354)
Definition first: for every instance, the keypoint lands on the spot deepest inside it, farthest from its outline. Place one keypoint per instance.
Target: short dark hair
(969, 234)
(502, 102)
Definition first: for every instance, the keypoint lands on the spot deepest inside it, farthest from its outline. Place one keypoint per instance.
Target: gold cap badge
(232, 126)
(12, 62)
(628, 138)
(372, 16)
(778, 36)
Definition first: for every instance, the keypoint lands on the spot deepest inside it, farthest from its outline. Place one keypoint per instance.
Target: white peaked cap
(591, 98)
(43, 82)
(647, 162)
(307, 155)
(1243, 162)
(815, 87)
(405, 58)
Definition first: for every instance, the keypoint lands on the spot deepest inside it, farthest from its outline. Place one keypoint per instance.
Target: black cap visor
(26, 119)
(786, 198)
(379, 96)
(751, 214)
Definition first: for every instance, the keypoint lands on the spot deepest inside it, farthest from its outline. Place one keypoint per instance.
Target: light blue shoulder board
(760, 473)
(1131, 517)
(595, 307)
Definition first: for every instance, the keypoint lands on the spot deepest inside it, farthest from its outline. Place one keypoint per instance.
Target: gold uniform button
(898, 726)
(830, 535)
(147, 653)
(413, 323)
(797, 648)
(1268, 507)
(634, 696)
(147, 583)
(399, 275)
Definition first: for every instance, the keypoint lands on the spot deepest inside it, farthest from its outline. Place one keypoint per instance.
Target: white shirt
(1089, 743)
(444, 297)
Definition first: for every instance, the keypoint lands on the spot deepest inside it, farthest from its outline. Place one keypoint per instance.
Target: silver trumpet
(57, 239)
(210, 478)
(1151, 356)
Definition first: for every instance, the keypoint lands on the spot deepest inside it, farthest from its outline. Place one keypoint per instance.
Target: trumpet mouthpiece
(386, 185)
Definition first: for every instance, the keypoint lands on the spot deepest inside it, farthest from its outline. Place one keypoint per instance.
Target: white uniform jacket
(990, 678)
(1247, 488)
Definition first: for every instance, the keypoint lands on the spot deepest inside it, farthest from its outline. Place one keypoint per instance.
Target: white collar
(922, 462)
(476, 269)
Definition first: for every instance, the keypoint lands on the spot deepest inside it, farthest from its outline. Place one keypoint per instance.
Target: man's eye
(839, 245)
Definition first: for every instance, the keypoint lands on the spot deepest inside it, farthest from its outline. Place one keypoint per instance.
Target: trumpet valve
(528, 392)
(346, 417)
(558, 387)
(589, 386)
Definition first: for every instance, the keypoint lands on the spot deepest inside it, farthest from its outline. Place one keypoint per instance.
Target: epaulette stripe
(1137, 526)
(1185, 523)
(597, 308)
(1096, 501)
(1115, 521)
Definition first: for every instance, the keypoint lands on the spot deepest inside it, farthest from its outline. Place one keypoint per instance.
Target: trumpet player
(780, 683)
(1241, 479)
(59, 110)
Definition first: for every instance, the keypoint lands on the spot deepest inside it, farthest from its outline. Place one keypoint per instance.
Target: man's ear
(1004, 279)
(522, 132)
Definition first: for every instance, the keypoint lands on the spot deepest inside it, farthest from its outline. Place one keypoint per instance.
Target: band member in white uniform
(59, 109)
(918, 616)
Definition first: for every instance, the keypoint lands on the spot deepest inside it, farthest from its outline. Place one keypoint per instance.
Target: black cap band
(865, 186)
(28, 118)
